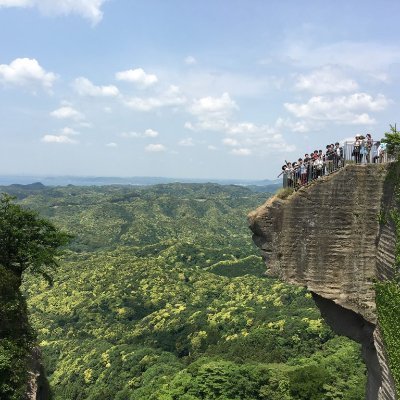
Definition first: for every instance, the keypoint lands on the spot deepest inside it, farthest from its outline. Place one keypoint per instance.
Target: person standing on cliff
(358, 144)
(329, 157)
(338, 155)
(368, 147)
(382, 152)
(284, 174)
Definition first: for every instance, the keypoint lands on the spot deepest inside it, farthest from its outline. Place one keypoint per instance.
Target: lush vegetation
(388, 293)
(388, 304)
(27, 242)
(392, 140)
(162, 296)
(16, 338)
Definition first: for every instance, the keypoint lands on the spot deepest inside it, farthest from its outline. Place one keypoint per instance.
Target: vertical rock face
(327, 237)
(38, 386)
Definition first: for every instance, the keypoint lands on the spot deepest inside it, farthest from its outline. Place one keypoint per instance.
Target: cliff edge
(328, 237)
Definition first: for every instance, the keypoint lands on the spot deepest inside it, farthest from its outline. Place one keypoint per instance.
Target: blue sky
(210, 89)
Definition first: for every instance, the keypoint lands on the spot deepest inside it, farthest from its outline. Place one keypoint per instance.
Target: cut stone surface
(328, 237)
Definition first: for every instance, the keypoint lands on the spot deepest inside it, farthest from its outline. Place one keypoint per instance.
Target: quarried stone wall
(328, 237)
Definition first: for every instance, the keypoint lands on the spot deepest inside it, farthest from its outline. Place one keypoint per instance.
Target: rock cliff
(328, 237)
(38, 385)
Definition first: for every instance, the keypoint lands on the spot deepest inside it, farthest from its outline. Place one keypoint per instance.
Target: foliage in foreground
(392, 140)
(388, 293)
(27, 242)
(388, 305)
(162, 297)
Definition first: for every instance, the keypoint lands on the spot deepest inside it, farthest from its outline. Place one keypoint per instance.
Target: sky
(190, 89)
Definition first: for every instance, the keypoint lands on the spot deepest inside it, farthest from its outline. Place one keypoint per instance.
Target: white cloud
(155, 148)
(296, 126)
(84, 87)
(58, 139)
(170, 97)
(67, 112)
(138, 76)
(260, 139)
(186, 142)
(190, 60)
(89, 9)
(326, 80)
(217, 114)
(363, 119)
(211, 147)
(111, 144)
(230, 142)
(341, 109)
(69, 131)
(148, 133)
(212, 113)
(26, 72)
(241, 152)
(215, 106)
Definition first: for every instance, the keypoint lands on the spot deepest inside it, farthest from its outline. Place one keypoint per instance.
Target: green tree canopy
(28, 241)
(392, 140)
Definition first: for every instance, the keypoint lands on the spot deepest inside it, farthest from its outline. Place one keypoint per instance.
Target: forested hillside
(162, 296)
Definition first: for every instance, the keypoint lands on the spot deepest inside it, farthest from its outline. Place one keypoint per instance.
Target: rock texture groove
(327, 237)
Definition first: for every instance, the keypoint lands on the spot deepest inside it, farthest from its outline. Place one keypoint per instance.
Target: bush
(284, 193)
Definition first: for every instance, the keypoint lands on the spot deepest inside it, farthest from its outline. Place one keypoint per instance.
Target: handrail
(355, 152)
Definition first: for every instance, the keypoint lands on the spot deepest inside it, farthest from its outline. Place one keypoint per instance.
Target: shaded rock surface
(38, 386)
(327, 237)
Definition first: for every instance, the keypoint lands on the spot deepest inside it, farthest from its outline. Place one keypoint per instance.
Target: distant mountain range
(136, 180)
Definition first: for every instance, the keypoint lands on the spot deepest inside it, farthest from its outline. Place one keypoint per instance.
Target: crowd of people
(316, 164)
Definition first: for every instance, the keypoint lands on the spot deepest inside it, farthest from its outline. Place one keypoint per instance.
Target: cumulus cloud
(67, 112)
(111, 144)
(256, 138)
(213, 106)
(148, 133)
(138, 76)
(212, 113)
(89, 9)
(326, 80)
(190, 60)
(342, 109)
(84, 87)
(186, 142)
(217, 114)
(69, 131)
(211, 147)
(26, 72)
(170, 97)
(62, 139)
(155, 148)
(295, 126)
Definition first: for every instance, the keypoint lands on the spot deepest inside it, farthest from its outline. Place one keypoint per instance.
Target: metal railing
(365, 153)
(360, 152)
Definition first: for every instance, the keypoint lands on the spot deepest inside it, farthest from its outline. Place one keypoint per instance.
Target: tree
(27, 241)
(392, 140)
